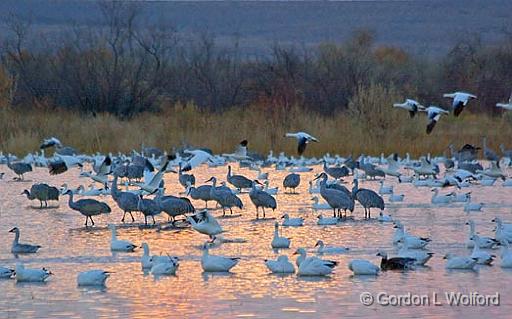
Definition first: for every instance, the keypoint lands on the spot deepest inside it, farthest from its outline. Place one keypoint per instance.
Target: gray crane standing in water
(367, 198)
(174, 206)
(19, 168)
(336, 172)
(261, 199)
(291, 181)
(337, 199)
(88, 207)
(127, 201)
(200, 193)
(238, 181)
(225, 198)
(148, 207)
(43, 193)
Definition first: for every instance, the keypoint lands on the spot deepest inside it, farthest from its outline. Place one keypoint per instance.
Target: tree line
(125, 69)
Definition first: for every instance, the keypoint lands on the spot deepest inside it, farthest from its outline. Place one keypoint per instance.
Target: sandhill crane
(43, 193)
(489, 154)
(88, 207)
(239, 181)
(174, 206)
(336, 172)
(148, 207)
(127, 201)
(185, 179)
(200, 193)
(367, 198)
(302, 139)
(337, 199)
(261, 199)
(460, 100)
(19, 168)
(410, 105)
(291, 181)
(225, 198)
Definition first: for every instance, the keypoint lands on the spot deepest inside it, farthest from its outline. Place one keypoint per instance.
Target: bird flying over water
(303, 139)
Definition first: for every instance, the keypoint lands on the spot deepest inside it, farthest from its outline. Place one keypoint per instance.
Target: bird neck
(16, 236)
(146, 250)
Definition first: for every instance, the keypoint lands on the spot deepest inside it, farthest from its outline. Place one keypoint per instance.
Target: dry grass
(385, 130)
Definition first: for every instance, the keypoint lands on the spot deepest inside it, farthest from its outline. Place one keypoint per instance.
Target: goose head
(300, 251)
(285, 216)
(382, 254)
(319, 243)
(14, 230)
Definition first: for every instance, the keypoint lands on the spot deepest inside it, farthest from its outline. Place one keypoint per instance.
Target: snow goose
(280, 266)
(384, 189)
(483, 242)
(18, 248)
(31, 275)
(165, 268)
(313, 266)
(299, 221)
(460, 100)
(302, 139)
(6, 273)
(313, 189)
(198, 157)
(441, 199)
(459, 262)
(410, 105)
(118, 244)
(94, 277)
(421, 256)
(270, 190)
(395, 263)
(504, 226)
(506, 255)
(322, 249)
(473, 207)
(483, 257)
(211, 263)
(433, 114)
(319, 206)
(413, 242)
(506, 106)
(326, 221)
(277, 241)
(363, 267)
(461, 198)
(393, 198)
(204, 223)
(148, 261)
(383, 218)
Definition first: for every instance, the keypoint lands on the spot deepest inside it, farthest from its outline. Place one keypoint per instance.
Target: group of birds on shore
(143, 177)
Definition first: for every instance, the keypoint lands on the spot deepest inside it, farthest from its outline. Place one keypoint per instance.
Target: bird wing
(302, 145)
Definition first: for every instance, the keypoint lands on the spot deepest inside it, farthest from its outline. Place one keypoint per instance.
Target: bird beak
(316, 244)
(211, 178)
(11, 231)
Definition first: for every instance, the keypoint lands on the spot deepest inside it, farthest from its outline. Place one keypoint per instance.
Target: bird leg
(86, 220)
(263, 211)
(334, 212)
(91, 220)
(231, 210)
(257, 213)
(369, 213)
(223, 211)
(133, 219)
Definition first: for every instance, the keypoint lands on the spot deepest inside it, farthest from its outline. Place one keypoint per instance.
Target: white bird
(313, 189)
(147, 261)
(211, 263)
(410, 105)
(198, 157)
(280, 266)
(319, 206)
(18, 248)
(322, 249)
(270, 190)
(118, 244)
(413, 242)
(473, 207)
(434, 114)
(31, 275)
(484, 258)
(459, 262)
(95, 277)
(393, 198)
(483, 242)
(383, 218)
(303, 139)
(313, 266)
(363, 267)
(204, 223)
(384, 189)
(506, 106)
(277, 241)
(506, 255)
(460, 100)
(421, 256)
(441, 199)
(240, 152)
(6, 273)
(165, 268)
(326, 221)
(298, 221)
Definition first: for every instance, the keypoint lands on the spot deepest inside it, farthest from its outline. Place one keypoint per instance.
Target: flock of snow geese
(136, 184)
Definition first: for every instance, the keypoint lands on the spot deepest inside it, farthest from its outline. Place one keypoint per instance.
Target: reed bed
(387, 130)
